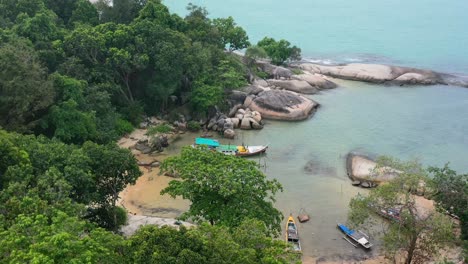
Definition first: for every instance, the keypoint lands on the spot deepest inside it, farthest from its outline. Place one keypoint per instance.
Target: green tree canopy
(223, 189)
(25, 91)
(451, 193)
(280, 51)
(232, 36)
(419, 232)
(248, 243)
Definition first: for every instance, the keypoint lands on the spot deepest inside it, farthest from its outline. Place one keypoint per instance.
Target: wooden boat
(389, 213)
(243, 151)
(292, 235)
(355, 237)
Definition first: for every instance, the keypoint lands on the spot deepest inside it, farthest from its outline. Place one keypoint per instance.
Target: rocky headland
(384, 74)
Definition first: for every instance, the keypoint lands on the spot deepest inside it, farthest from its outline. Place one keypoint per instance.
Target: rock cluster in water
(362, 170)
(385, 74)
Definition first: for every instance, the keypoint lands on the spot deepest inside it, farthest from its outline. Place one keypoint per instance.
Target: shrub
(163, 128)
(297, 71)
(193, 126)
(123, 127)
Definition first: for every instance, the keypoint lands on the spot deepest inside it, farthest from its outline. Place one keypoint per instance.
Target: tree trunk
(411, 249)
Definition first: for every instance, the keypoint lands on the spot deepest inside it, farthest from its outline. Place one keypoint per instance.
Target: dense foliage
(223, 189)
(420, 232)
(75, 76)
(75, 71)
(279, 51)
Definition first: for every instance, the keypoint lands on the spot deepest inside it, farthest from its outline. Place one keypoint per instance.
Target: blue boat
(211, 143)
(359, 237)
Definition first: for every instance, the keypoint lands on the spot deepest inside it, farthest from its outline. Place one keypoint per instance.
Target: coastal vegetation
(75, 76)
(414, 232)
(223, 189)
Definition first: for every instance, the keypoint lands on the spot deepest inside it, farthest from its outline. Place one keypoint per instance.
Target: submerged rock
(281, 105)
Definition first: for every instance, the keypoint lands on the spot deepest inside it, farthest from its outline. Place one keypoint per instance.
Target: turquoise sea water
(424, 33)
(427, 123)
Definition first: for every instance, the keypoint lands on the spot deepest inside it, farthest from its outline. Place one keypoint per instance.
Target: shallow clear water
(427, 123)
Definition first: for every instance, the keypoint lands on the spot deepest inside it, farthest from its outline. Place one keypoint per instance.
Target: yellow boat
(292, 235)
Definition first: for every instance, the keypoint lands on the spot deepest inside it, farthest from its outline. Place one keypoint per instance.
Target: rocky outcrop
(281, 72)
(316, 81)
(377, 73)
(281, 105)
(362, 168)
(298, 86)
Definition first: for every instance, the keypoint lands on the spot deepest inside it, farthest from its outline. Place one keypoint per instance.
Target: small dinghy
(355, 237)
(292, 235)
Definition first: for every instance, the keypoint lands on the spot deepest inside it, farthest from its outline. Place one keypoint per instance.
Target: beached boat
(234, 150)
(292, 235)
(242, 151)
(355, 237)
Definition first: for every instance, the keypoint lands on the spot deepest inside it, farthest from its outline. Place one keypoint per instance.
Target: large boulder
(282, 105)
(280, 72)
(377, 73)
(245, 123)
(298, 86)
(234, 110)
(237, 97)
(316, 81)
(229, 133)
(235, 122)
(253, 89)
(362, 168)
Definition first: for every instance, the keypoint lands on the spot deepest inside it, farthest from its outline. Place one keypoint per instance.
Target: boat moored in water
(234, 150)
(355, 237)
(292, 235)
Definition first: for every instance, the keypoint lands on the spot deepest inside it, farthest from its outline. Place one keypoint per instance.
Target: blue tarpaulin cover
(346, 230)
(207, 141)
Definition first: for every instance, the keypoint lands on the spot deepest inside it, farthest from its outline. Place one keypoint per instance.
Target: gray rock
(220, 122)
(238, 97)
(228, 125)
(298, 86)
(362, 168)
(248, 100)
(211, 123)
(256, 116)
(316, 81)
(260, 82)
(155, 164)
(255, 124)
(280, 72)
(143, 148)
(377, 73)
(234, 110)
(245, 124)
(253, 89)
(239, 116)
(283, 105)
(235, 122)
(229, 133)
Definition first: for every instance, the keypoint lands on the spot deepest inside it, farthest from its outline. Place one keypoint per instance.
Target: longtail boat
(355, 237)
(292, 235)
(242, 151)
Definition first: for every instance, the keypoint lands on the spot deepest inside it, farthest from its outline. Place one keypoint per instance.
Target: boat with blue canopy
(359, 237)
